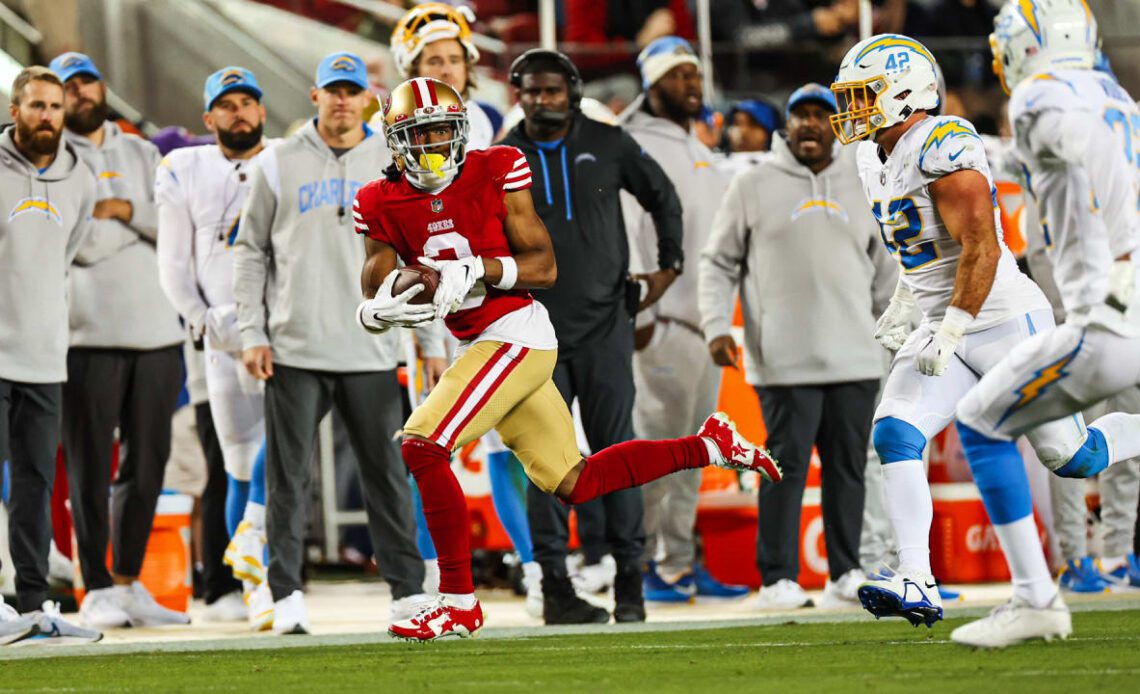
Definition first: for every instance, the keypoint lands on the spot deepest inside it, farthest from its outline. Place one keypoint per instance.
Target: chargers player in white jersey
(1074, 131)
(928, 183)
(200, 192)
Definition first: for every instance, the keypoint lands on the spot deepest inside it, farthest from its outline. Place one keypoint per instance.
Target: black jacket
(596, 161)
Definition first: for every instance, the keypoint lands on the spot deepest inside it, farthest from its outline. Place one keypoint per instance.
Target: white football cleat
(228, 608)
(103, 608)
(910, 595)
(259, 608)
(14, 626)
(290, 615)
(1017, 621)
(145, 611)
(784, 594)
(246, 552)
(737, 452)
(594, 578)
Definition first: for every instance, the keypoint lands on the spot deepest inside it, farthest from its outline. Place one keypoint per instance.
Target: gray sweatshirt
(813, 275)
(298, 258)
(44, 217)
(116, 300)
(701, 187)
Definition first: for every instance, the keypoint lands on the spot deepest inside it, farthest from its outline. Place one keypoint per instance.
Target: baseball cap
(763, 113)
(342, 67)
(230, 79)
(70, 64)
(661, 56)
(811, 92)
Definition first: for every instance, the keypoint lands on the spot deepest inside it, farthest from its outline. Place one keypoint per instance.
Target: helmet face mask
(414, 114)
(1033, 36)
(881, 82)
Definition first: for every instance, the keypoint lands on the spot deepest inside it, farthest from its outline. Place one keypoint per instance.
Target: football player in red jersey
(470, 216)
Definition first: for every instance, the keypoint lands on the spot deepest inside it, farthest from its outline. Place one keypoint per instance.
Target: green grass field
(791, 657)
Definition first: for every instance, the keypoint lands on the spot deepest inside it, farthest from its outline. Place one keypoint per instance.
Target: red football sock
(633, 463)
(445, 509)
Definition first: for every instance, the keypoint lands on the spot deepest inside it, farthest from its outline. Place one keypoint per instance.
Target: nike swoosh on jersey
(954, 156)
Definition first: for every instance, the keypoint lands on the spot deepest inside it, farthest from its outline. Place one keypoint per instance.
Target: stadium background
(155, 53)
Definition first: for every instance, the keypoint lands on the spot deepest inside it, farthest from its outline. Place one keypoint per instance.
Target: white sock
(715, 456)
(464, 601)
(911, 512)
(431, 576)
(1023, 553)
(1110, 564)
(532, 570)
(255, 514)
(1122, 432)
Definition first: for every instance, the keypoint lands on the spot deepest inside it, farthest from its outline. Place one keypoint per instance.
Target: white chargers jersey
(914, 232)
(1077, 132)
(200, 194)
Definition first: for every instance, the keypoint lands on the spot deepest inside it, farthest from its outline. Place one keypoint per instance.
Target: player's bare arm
(379, 263)
(530, 246)
(963, 201)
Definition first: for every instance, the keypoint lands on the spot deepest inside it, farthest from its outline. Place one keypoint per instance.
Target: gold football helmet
(410, 112)
(427, 23)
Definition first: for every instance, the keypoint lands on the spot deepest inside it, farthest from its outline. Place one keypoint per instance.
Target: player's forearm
(373, 274)
(536, 269)
(977, 269)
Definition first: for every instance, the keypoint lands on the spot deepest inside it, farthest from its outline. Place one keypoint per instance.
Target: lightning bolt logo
(943, 132)
(826, 206)
(895, 41)
(41, 205)
(1043, 379)
(1028, 10)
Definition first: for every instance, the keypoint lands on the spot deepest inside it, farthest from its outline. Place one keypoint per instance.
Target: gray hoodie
(44, 217)
(297, 259)
(700, 185)
(813, 275)
(116, 300)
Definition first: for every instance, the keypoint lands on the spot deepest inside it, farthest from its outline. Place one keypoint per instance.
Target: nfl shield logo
(437, 205)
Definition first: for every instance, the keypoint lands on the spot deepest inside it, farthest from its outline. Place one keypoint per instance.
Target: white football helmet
(881, 81)
(1032, 36)
(428, 23)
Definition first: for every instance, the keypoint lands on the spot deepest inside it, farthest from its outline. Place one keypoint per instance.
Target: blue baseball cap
(230, 79)
(342, 67)
(661, 56)
(763, 113)
(811, 92)
(68, 65)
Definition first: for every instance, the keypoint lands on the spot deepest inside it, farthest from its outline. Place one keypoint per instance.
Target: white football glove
(936, 354)
(456, 279)
(894, 327)
(385, 311)
(1121, 278)
(221, 329)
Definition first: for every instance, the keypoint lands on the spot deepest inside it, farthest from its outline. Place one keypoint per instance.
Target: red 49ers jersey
(464, 219)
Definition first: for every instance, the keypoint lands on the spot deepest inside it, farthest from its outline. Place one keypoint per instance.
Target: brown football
(411, 275)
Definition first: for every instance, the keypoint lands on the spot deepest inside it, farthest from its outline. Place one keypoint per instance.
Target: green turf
(858, 656)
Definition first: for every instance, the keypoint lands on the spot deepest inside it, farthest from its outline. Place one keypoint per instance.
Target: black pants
(29, 434)
(836, 417)
(218, 578)
(601, 377)
(369, 402)
(137, 392)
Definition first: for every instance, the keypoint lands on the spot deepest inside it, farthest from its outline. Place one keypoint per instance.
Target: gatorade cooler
(727, 522)
(963, 545)
(168, 565)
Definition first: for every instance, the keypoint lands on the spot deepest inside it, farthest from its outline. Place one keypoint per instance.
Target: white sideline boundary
(712, 615)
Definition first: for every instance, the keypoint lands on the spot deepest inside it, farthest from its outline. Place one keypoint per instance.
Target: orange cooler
(167, 570)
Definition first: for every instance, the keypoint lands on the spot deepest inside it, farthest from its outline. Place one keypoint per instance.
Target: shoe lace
(429, 611)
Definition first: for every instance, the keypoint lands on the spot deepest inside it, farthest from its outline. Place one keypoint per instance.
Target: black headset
(569, 70)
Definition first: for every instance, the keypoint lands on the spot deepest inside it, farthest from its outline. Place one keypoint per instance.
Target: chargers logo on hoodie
(36, 205)
(815, 204)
